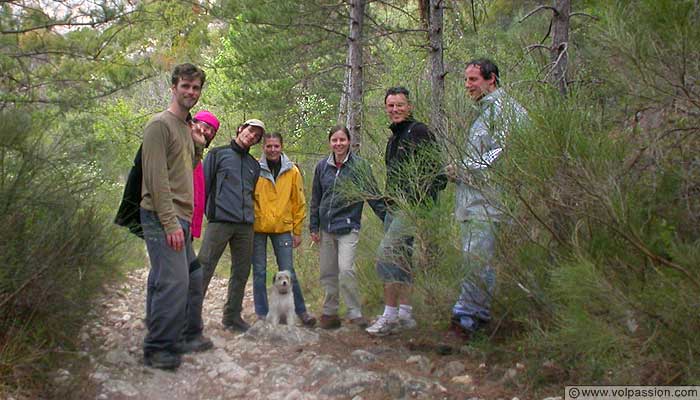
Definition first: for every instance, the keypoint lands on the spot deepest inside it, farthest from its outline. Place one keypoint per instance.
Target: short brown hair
(396, 90)
(487, 68)
(187, 71)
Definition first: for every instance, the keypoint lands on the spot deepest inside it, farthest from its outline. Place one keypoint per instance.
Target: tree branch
(400, 10)
(537, 46)
(539, 219)
(302, 25)
(68, 23)
(538, 9)
(95, 97)
(549, 32)
(583, 14)
(389, 33)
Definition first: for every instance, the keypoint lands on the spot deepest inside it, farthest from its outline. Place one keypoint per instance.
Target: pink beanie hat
(209, 118)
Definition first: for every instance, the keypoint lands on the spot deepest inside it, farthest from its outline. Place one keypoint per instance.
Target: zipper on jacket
(335, 179)
(242, 191)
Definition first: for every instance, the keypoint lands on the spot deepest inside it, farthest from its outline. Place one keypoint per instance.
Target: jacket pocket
(220, 181)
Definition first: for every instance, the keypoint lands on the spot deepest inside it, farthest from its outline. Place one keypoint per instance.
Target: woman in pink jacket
(206, 123)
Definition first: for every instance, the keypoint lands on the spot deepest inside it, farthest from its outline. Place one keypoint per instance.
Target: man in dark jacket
(230, 173)
(413, 179)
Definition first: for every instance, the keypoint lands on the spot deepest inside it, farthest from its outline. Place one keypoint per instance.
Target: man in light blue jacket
(477, 207)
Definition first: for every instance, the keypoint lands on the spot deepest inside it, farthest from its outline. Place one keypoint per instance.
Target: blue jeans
(472, 309)
(282, 245)
(168, 289)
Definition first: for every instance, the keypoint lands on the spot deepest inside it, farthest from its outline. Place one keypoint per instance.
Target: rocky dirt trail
(286, 363)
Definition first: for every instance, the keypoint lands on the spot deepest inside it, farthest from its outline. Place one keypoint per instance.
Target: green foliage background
(597, 269)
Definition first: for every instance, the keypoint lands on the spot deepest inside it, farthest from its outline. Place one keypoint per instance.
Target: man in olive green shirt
(170, 151)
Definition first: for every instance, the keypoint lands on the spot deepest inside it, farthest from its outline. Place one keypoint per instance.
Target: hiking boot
(307, 319)
(360, 322)
(200, 343)
(383, 326)
(236, 324)
(329, 322)
(407, 323)
(162, 360)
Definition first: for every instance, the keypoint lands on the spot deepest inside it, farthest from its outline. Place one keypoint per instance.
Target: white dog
(281, 300)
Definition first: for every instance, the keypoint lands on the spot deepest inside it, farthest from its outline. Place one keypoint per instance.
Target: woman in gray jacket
(336, 212)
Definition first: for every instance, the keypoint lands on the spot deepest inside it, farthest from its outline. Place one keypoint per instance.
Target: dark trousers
(167, 292)
(195, 300)
(239, 238)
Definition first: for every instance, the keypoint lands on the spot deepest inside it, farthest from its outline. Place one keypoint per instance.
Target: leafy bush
(58, 249)
(601, 274)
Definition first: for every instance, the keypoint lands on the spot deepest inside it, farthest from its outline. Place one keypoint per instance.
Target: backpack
(129, 214)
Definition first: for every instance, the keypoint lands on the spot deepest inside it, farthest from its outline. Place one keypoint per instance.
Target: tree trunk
(354, 116)
(437, 67)
(560, 44)
(559, 54)
(345, 94)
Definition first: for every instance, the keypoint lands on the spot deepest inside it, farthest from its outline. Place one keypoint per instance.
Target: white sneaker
(407, 323)
(383, 326)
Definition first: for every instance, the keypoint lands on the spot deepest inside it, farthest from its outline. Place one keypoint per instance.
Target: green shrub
(58, 250)
(602, 269)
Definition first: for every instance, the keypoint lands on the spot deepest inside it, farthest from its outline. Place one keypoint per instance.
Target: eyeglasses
(194, 121)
